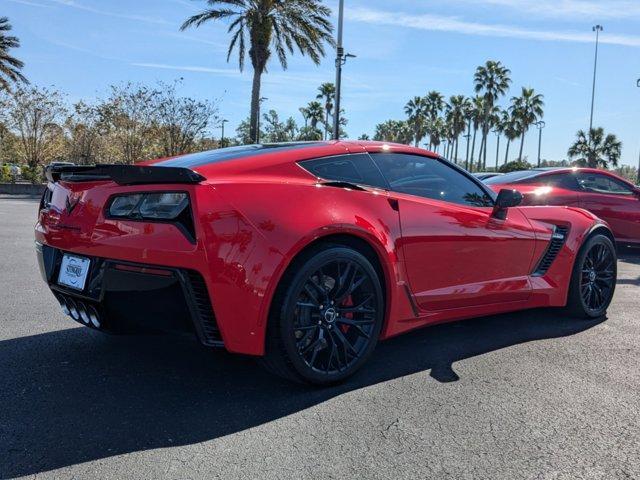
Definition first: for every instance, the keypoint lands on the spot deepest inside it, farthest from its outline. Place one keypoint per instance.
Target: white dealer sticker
(73, 271)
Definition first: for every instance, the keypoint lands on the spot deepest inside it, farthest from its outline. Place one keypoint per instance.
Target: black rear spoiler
(121, 174)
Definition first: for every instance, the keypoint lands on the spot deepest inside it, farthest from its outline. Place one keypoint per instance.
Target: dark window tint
(596, 183)
(346, 168)
(430, 178)
(561, 180)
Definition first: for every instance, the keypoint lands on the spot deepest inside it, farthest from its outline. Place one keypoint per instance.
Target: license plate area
(73, 271)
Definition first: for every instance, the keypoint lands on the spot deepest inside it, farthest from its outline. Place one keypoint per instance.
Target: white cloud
(188, 68)
(453, 24)
(564, 9)
(86, 8)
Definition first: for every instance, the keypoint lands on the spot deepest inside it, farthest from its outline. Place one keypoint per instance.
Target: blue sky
(404, 48)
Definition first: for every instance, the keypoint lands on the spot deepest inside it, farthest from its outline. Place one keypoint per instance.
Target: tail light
(173, 207)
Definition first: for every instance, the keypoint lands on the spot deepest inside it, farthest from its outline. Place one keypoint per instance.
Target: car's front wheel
(326, 316)
(594, 278)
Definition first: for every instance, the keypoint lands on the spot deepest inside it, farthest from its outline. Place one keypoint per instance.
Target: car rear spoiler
(121, 174)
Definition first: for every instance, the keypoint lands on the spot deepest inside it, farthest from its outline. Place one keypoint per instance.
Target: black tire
(593, 280)
(322, 332)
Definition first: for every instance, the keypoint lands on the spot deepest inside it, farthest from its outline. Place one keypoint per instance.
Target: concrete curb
(21, 189)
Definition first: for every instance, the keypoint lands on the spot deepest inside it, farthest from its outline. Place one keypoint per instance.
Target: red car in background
(608, 196)
(308, 254)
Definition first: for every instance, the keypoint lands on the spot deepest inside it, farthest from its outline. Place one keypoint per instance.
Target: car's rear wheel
(594, 278)
(326, 317)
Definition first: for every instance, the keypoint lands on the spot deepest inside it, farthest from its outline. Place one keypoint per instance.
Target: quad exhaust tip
(81, 312)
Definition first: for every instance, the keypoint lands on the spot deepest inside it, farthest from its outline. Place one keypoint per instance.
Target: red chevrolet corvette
(308, 254)
(610, 197)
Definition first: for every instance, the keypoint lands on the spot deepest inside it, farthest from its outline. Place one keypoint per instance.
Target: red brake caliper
(347, 303)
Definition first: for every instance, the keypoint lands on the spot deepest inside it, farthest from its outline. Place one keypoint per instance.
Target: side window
(356, 168)
(596, 183)
(430, 178)
(561, 180)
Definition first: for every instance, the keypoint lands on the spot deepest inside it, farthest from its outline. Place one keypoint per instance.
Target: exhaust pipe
(79, 311)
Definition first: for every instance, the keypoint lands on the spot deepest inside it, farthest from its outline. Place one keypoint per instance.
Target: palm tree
(328, 93)
(9, 66)
(436, 129)
(416, 110)
(595, 150)
(476, 113)
(393, 131)
(261, 27)
(315, 113)
(434, 104)
(492, 81)
(527, 110)
(458, 106)
(511, 130)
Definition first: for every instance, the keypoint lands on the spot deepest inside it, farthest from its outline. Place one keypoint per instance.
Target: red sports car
(308, 254)
(610, 197)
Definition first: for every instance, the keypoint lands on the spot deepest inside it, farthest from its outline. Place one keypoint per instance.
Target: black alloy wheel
(330, 317)
(594, 278)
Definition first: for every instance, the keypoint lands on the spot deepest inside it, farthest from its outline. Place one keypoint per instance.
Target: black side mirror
(506, 199)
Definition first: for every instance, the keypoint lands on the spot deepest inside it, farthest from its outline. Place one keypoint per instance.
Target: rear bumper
(126, 297)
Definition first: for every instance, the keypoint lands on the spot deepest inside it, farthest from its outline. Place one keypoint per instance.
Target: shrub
(515, 166)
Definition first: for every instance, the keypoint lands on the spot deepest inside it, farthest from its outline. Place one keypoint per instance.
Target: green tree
(434, 104)
(9, 65)
(277, 131)
(327, 92)
(475, 115)
(456, 114)
(491, 80)
(35, 115)
(527, 109)
(510, 130)
(416, 111)
(397, 131)
(261, 27)
(595, 150)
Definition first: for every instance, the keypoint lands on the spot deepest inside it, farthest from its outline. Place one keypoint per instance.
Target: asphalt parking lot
(532, 395)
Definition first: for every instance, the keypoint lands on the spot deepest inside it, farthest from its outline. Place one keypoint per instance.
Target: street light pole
(497, 132)
(222, 137)
(540, 126)
(341, 59)
(597, 29)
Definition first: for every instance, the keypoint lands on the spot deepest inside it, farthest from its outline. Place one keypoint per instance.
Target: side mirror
(506, 199)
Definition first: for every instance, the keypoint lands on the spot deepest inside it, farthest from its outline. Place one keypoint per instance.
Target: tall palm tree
(434, 104)
(393, 131)
(492, 81)
(9, 66)
(327, 91)
(437, 133)
(511, 130)
(458, 105)
(595, 150)
(528, 108)
(416, 111)
(261, 27)
(475, 115)
(315, 113)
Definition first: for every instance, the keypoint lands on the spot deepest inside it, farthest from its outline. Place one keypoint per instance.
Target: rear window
(231, 153)
(511, 177)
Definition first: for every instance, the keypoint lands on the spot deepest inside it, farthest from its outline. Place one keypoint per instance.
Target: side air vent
(210, 334)
(558, 239)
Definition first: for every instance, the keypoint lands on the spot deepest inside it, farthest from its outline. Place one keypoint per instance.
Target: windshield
(511, 177)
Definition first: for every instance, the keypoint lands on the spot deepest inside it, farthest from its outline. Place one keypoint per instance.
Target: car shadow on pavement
(76, 395)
